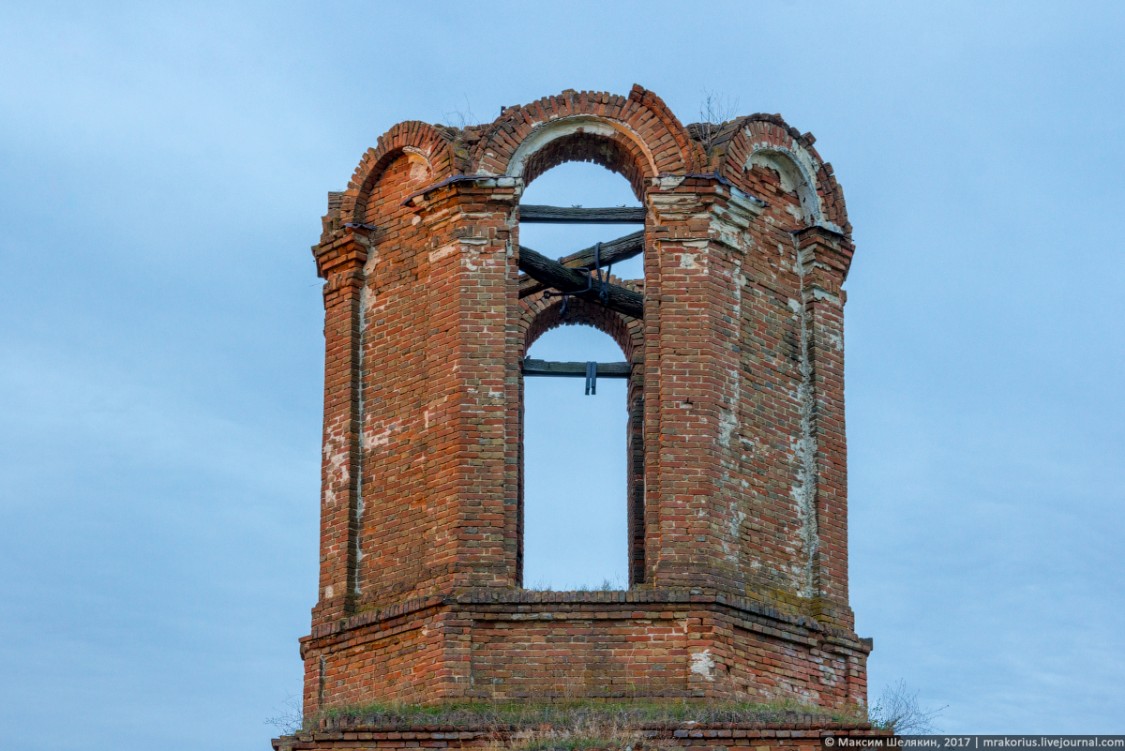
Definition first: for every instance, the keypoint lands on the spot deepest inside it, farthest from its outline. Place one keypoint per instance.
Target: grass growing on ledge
(587, 714)
(579, 725)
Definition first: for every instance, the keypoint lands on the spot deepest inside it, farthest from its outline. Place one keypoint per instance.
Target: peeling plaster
(804, 447)
(373, 440)
(336, 454)
(365, 302)
(828, 675)
(470, 254)
(736, 520)
(443, 252)
(836, 340)
(702, 663)
(728, 421)
(544, 133)
(796, 170)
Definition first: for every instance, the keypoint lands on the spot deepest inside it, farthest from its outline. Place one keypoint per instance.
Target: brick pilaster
(473, 343)
(340, 262)
(824, 257)
(691, 343)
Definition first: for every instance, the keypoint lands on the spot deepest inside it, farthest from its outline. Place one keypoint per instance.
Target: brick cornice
(830, 249)
(501, 189)
(524, 605)
(347, 251)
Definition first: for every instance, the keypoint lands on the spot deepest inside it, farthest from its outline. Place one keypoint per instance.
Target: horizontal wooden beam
(578, 215)
(574, 369)
(611, 252)
(554, 274)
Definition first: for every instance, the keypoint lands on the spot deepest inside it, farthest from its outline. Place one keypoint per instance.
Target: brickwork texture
(737, 497)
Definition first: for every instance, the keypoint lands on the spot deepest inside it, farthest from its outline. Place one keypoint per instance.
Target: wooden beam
(579, 215)
(554, 274)
(574, 369)
(612, 251)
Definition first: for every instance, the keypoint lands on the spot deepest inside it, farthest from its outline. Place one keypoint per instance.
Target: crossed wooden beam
(566, 274)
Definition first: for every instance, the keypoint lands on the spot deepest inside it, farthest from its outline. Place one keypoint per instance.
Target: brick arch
(636, 136)
(616, 153)
(430, 143)
(769, 141)
(540, 314)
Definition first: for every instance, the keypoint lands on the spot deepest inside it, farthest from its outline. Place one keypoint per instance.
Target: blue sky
(163, 168)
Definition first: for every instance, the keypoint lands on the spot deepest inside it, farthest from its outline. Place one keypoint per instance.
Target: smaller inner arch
(575, 470)
(614, 153)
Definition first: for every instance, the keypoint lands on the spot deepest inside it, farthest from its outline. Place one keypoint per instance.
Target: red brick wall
(737, 454)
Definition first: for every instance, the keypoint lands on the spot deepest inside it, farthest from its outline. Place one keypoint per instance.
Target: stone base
(795, 736)
(516, 645)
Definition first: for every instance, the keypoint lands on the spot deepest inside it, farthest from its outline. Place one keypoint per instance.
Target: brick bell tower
(737, 476)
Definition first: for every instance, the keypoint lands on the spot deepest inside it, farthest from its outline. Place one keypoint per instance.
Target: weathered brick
(737, 500)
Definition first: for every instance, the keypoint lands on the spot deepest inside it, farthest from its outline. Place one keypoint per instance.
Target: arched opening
(575, 484)
(580, 185)
(581, 464)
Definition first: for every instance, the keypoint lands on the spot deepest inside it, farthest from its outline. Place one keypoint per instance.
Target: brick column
(635, 481)
(691, 335)
(340, 262)
(732, 213)
(473, 345)
(824, 258)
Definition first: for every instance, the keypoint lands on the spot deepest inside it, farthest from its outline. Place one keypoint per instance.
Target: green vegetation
(586, 713)
(576, 725)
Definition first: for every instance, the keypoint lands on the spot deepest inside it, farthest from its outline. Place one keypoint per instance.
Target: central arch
(543, 314)
(584, 139)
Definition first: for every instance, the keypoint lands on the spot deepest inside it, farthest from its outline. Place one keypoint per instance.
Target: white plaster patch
(543, 133)
(702, 663)
(373, 440)
(419, 170)
(336, 452)
(836, 341)
(736, 520)
(329, 592)
(370, 303)
(469, 256)
(828, 675)
(443, 252)
(727, 423)
(372, 260)
(687, 260)
(730, 548)
(796, 170)
(804, 451)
